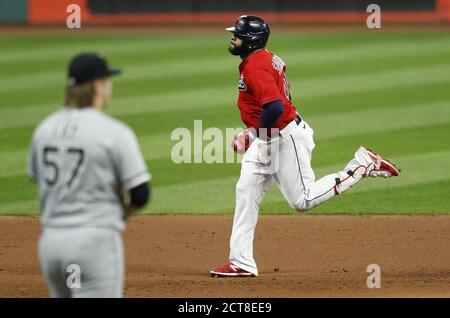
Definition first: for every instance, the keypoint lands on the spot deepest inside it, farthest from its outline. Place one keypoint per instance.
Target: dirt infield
(298, 256)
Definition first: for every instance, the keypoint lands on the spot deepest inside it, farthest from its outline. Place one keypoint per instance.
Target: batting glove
(242, 142)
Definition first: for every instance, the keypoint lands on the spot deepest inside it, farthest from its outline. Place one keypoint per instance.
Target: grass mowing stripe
(13, 139)
(127, 56)
(13, 162)
(23, 207)
(379, 120)
(18, 42)
(325, 126)
(219, 196)
(353, 74)
(111, 46)
(430, 163)
(424, 199)
(392, 97)
(157, 149)
(416, 169)
(392, 143)
(384, 201)
(16, 189)
(309, 88)
(428, 198)
(307, 38)
(219, 193)
(313, 64)
(336, 103)
(364, 65)
(144, 47)
(350, 52)
(370, 81)
(217, 55)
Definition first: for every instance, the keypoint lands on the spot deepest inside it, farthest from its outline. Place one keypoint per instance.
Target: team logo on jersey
(241, 86)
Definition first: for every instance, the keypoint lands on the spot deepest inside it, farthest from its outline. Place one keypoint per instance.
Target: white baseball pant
(98, 252)
(292, 172)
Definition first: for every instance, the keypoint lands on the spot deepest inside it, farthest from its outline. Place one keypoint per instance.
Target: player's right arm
(32, 167)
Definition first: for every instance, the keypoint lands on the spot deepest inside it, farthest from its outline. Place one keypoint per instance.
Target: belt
(289, 126)
(297, 120)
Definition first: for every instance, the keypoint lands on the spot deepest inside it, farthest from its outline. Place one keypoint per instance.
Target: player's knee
(302, 210)
(244, 185)
(301, 206)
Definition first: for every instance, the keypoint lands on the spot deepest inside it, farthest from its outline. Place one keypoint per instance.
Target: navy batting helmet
(253, 30)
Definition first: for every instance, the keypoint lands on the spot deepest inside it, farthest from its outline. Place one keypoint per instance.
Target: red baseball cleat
(230, 270)
(381, 167)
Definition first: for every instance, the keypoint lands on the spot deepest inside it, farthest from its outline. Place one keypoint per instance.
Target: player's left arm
(133, 175)
(272, 111)
(266, 91)
(138, 197)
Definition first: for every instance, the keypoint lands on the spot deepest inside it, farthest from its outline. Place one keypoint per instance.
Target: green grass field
(390, 91)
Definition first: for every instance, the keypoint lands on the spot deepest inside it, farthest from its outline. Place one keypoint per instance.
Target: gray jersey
(83, 160)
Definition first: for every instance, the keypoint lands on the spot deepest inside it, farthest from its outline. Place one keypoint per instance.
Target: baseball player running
(91, 177)
(273, 122)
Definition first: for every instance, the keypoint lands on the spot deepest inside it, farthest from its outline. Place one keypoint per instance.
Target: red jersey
(263, 80)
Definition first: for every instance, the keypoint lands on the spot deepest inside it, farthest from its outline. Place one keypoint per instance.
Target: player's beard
(236, 50)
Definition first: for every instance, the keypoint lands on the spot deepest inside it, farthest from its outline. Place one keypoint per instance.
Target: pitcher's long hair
(80, 96)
